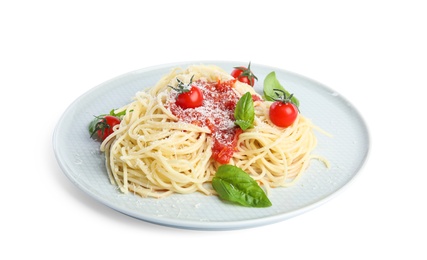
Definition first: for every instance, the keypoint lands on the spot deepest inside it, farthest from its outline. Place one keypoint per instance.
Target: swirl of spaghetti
(153, 155)
(155, 151)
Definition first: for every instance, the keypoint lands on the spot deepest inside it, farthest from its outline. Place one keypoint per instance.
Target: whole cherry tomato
(190, 99)
(283, 112)
(244, 74)
(189, 95)
(102, 126)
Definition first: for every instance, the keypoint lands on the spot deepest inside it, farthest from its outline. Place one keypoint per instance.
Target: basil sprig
(244, 113)
(271, 85)
(235, 185)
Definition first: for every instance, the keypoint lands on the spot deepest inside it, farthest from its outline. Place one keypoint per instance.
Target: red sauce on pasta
(216, 113)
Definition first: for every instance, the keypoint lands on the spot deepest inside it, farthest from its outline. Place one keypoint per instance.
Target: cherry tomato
(102, 126)
(244, 74)
(283, 113)
(190, 99)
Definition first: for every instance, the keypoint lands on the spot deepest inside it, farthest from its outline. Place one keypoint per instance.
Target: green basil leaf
(243, 124)
(120, 114)
(244, 113)
(235, 185)
(270, 84)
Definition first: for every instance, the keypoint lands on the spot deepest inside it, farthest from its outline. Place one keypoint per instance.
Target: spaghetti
(160, 149)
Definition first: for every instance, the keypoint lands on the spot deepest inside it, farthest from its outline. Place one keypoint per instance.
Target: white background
(374, 53)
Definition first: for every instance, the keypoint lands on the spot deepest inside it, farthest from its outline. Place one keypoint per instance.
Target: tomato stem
(282, 97)
(247, 72)
(100, 125)
(182, 87)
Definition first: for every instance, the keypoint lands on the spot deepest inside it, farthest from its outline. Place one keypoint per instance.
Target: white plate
(83, 164)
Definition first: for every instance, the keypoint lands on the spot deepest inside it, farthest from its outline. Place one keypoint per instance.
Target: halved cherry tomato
(244, 74)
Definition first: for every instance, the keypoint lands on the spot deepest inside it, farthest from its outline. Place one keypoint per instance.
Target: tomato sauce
(216, 113)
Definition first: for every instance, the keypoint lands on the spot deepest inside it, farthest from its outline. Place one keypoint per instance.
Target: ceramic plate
(82, 162)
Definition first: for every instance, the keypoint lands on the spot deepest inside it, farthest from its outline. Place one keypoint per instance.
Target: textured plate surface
(81, 161)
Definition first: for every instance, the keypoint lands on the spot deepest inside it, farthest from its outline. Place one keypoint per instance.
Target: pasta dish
(160, 148)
